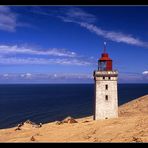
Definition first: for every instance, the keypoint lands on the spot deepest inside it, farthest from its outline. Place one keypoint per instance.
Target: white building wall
(105, 109)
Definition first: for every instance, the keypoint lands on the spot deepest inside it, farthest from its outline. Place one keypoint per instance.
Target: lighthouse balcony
(106, 75)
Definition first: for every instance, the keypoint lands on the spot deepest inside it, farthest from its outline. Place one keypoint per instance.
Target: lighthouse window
(102, 65)
(106, 87)
(106, 97)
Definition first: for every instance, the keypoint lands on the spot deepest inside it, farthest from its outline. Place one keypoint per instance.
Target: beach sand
(131, 126)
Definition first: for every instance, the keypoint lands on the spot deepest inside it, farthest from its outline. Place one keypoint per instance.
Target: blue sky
(61, 44)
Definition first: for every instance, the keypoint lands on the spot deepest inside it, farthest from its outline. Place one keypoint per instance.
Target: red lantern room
(105, 63)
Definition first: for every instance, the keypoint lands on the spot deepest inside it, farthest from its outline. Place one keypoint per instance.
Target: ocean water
(42, 103)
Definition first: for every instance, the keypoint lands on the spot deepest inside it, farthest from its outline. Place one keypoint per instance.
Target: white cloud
(28, 75)
(145, 76)
(114, 36)
(145, 72)
(69, 76)
(5, 49)
(6, 75)
(42, 61)
(7, 19)
(46, 76)
(86, 20)
(14, 55)
(25, 75)
(55, 75)
(75, 14)
(22, 75)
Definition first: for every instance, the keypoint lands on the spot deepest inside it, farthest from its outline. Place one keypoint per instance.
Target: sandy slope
(131, 126)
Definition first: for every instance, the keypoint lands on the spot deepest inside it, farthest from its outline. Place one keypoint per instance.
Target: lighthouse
(106, 96)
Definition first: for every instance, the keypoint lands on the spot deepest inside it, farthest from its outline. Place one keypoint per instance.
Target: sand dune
(131, 126)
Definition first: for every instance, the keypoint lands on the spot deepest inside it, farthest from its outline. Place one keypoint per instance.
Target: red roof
(105, 57)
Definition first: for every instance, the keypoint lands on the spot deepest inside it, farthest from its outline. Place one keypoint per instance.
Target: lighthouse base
(106, 97)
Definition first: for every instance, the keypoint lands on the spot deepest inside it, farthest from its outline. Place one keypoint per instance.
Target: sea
(43, 103)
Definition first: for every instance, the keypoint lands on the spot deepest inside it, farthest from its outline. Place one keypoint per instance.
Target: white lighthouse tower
(106, 97)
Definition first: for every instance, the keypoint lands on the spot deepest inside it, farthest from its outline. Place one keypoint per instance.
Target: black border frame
(73, 2)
